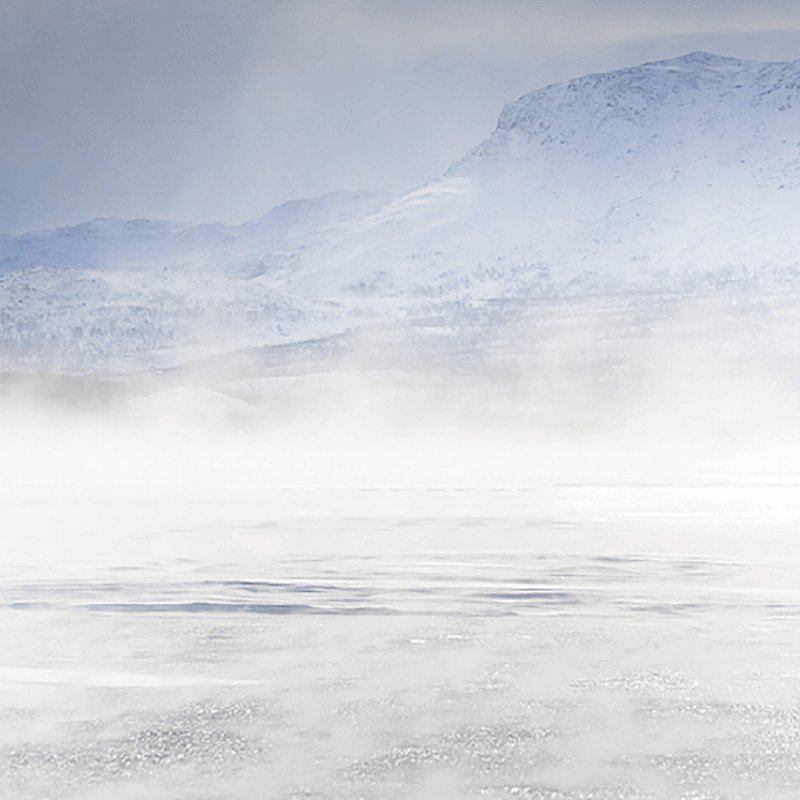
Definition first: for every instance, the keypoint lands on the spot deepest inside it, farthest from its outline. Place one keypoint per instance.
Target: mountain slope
(674, 178)
(628, 178)
(151, 244)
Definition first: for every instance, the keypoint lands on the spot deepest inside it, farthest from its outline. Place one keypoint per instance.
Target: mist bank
(687, 417)
(102, 472)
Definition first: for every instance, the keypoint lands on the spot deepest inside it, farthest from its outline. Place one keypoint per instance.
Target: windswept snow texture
(584, 642)
(671, 179)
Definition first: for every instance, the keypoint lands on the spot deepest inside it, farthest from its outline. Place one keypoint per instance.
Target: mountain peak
(700, 58)
(651, 93)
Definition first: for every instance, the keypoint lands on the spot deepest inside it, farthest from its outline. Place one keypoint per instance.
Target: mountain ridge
(679, 176)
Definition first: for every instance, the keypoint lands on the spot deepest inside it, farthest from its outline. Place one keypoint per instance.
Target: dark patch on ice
(533, 597)
(205, 607)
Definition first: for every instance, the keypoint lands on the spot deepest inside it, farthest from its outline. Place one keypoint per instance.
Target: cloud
(419, 28)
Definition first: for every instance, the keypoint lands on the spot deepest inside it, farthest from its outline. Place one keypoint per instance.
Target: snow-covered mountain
(674, 178)
(626, 178)
(144, 244)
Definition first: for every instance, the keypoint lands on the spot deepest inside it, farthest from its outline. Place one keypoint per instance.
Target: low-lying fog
(179, 437)
(391, 584)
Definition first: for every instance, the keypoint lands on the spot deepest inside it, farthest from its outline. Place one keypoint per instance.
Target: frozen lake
(554, 641)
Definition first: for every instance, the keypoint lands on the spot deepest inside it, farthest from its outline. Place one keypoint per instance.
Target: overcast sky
(219, 109)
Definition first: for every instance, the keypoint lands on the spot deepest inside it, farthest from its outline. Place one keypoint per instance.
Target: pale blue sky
(202, 110)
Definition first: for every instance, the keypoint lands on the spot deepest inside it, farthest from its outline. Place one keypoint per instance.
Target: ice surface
(548, 642)
(193, 605)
